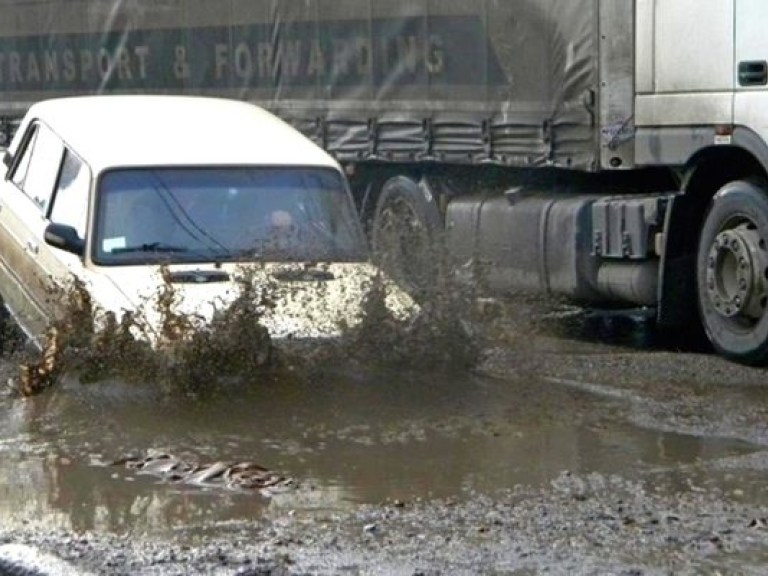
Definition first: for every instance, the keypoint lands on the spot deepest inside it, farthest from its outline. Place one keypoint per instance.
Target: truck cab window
(70, 201)
(39, 166)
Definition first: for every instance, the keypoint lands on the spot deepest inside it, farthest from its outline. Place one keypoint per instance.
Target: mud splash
(192, 356)
(444, 335)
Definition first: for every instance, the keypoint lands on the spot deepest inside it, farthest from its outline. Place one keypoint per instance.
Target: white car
(113, 189)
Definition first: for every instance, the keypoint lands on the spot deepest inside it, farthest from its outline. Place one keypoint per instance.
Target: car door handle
(32, 247)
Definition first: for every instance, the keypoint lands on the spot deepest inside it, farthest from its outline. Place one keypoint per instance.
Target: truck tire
(404, 233)
(732, 272)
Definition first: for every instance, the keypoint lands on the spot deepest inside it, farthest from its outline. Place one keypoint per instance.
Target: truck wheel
(732, 272)
(404, 231)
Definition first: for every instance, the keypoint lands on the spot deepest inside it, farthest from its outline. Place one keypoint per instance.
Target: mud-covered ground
(570, 448)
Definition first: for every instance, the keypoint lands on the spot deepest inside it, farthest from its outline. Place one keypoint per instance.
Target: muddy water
(346, 437)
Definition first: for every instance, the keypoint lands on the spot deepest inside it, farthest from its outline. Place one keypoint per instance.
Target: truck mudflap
(594, 249)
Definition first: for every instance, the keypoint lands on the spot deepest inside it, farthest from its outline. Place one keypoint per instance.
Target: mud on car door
(26, 263)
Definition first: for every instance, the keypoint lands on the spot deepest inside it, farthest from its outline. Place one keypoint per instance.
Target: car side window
(19, 175)
(70, 201)
(39, 165)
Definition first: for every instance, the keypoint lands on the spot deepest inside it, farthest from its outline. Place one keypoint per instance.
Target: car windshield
(225, 214)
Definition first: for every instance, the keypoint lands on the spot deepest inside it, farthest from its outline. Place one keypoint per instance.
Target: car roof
(154, 130)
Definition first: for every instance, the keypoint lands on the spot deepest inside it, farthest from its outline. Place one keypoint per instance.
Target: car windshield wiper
(151, 247)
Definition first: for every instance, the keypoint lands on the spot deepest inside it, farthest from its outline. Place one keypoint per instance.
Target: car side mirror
(64, 237)
(7, 159)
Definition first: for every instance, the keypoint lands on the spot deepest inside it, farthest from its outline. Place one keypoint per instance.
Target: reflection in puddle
(346, 438)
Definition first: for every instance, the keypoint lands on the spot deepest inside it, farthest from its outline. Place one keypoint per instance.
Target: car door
(24, 206)
(68, 205)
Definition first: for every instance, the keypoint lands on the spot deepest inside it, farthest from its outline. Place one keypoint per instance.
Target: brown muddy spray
(96, 345)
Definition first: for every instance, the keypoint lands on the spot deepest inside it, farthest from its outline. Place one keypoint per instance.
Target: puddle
(346, 438)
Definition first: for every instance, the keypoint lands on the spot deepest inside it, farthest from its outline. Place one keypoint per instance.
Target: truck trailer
(610, 151)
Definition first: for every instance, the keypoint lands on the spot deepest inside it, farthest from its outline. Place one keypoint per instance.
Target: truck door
(751, 99)
(685, 62)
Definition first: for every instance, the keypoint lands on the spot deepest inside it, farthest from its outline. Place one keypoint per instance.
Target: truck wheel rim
(737, 265)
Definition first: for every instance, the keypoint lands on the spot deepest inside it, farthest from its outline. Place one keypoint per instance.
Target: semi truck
(609, 151)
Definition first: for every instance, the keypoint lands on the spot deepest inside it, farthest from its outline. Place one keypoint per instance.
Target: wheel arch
(705, 173)
(440, 181)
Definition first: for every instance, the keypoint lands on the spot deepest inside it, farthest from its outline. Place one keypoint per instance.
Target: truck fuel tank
(591, 248)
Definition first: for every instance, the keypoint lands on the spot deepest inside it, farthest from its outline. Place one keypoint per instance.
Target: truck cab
(701, 108)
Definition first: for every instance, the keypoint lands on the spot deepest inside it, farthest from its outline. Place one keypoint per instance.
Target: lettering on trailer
(387, 52)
